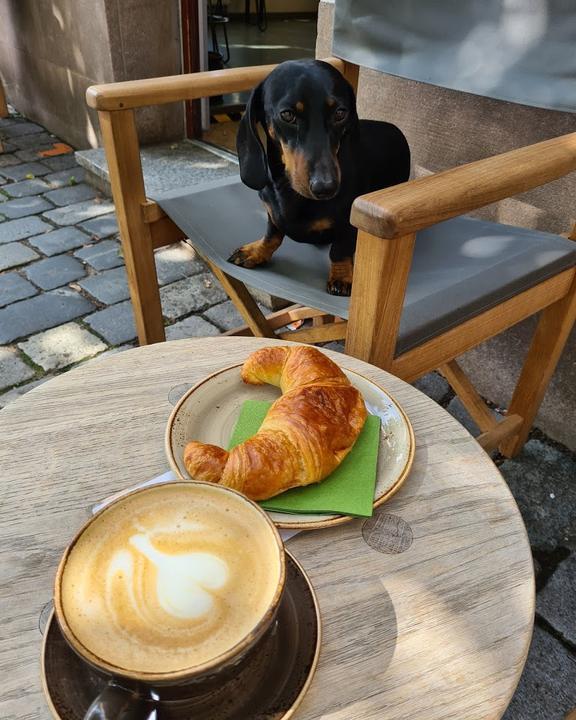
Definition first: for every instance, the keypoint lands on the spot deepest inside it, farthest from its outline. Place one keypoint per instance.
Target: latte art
(168, 579)
(183, 581)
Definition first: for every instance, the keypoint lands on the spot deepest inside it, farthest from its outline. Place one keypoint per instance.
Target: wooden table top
(427, 614)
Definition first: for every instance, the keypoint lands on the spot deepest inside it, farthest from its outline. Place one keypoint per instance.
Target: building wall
(51, 51)
(446, 128)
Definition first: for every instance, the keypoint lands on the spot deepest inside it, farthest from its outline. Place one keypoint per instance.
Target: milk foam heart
(183, 582)
(169, 578)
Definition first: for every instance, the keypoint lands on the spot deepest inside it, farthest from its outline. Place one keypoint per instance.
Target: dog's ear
(251, 154)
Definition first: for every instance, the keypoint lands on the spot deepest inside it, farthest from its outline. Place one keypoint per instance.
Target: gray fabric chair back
(515, 50)
(447, 127)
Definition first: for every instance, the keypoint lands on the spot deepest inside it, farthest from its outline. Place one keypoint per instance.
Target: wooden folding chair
(399, 316)
(3, 103)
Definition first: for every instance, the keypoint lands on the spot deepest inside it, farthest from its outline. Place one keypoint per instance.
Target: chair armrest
(173, 88)
(413, 205)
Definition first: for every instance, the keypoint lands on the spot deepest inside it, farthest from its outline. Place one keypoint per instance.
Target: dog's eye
(288, 116)
(340, 114)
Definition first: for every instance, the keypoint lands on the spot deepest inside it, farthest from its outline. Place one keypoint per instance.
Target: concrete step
(165, 166)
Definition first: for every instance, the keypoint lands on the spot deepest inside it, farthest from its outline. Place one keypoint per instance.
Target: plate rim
(287, 524)
(289, 712)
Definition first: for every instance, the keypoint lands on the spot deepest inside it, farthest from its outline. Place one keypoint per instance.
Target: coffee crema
(170, 578)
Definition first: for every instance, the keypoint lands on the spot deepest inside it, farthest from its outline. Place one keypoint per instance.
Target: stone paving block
(101, 227)
(192, 326)
(6, 160)
(61, 346)
(23, 206)
(457, 410)
(61, 162)
(79, 212)
(25, 128)
(28, 155)
(541, 479)
(176, 263)
(66, 178)
(22, 228)
(102, 255)
(39, 141)
(10, 120)
(14, 254)
(14, 288)
(26, 188)
(547, 688)
(115, 323)
(41, 312)
(59, 241)
(336, 346)
(109, 287)
(556, 603)
(72, 194)
(12, 369)
(17, 392)
(433, 385)
(54, 272)
(21, 172)
(225, 316)
(190, 295)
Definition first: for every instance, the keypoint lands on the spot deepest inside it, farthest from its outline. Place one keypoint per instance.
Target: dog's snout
(324, 188)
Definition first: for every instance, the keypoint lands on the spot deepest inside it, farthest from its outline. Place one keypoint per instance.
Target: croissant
(305, 435)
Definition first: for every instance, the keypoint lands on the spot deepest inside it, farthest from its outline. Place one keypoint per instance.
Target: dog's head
(305, 108)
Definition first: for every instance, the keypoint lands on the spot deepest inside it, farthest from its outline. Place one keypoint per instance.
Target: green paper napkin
(349, 490)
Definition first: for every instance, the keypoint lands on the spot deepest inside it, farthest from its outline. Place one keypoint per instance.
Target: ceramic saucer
(270, 686)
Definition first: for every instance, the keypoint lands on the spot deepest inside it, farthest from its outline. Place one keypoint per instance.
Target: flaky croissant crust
(306, 434)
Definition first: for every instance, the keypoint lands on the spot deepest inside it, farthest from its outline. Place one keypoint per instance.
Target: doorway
(242, 33)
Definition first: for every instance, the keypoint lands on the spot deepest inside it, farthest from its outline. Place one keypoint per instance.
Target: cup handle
(118, 703)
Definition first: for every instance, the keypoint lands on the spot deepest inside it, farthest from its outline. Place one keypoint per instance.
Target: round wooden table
(427, 611)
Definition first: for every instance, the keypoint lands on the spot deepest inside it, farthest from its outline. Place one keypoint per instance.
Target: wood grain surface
(427, 608)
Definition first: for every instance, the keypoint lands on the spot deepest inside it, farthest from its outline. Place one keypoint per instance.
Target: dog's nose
(323, 188)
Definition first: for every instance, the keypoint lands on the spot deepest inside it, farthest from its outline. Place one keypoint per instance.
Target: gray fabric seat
(461, 267)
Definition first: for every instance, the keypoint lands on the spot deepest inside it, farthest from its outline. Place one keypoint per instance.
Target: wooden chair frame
(3, 103)
(387, 222)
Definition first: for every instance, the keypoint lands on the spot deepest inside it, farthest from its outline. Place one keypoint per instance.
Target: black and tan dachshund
(319, 157)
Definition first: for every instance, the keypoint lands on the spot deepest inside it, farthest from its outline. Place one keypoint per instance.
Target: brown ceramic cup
(167, 587)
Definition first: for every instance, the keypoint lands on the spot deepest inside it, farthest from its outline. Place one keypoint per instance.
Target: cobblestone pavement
(64, 300)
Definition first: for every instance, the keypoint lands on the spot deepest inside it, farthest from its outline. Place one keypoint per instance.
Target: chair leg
(3, 103)
(245, 303)
(469, 396)
(123, 156)
(554, 326)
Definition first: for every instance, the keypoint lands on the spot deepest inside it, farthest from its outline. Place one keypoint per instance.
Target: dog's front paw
(339, 287)
(242, 258)
(254, 253)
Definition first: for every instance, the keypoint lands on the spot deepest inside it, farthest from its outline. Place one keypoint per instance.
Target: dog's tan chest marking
(321, 224)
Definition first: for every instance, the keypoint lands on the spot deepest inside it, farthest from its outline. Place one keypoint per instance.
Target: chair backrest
(447, 127)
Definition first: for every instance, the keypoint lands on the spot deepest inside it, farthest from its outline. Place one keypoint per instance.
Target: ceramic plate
(270, 686)
(209, 411)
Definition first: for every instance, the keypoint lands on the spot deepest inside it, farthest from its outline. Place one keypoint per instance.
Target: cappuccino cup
(166, 586)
